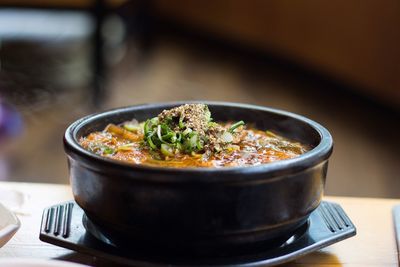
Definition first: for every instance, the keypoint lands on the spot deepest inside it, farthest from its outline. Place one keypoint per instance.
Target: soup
(187, 136)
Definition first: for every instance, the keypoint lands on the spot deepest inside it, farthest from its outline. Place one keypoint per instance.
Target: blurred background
(336, 62)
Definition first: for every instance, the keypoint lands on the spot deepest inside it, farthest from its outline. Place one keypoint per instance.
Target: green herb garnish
(235, 125)
(185, 129)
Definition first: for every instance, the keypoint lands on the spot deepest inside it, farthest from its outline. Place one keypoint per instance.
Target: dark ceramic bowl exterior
(197, 207)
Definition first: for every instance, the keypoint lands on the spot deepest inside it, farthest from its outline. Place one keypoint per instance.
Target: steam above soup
(187, 136)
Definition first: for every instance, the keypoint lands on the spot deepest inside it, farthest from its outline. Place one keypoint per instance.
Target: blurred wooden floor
(366, 157)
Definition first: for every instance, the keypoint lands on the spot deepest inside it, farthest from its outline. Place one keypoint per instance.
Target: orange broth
(253, 148)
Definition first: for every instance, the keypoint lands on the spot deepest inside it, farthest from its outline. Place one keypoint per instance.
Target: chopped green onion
(199, 145)
(154, 120)
(149, 125)
(178, 137)
(179, 146)
(193, 141)
(146, 128)
(168, 120)
(181, 125)
(212, 124)
(235, 125)
(132, 127)
(108, 150)
(166, 150)
(126, 147)
(170, 136)
(151, 143)
(159, 133)
(186, 131)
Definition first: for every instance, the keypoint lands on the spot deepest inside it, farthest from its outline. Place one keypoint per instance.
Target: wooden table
(374, 244)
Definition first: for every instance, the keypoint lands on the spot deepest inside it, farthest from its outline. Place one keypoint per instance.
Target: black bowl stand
(65, 225)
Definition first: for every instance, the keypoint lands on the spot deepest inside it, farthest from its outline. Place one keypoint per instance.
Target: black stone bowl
(195, 208)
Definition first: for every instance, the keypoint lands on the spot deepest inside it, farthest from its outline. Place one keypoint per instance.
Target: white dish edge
(10, 262)
(12, 225)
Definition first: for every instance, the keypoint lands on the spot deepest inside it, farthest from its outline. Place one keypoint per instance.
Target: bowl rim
(311, 158)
